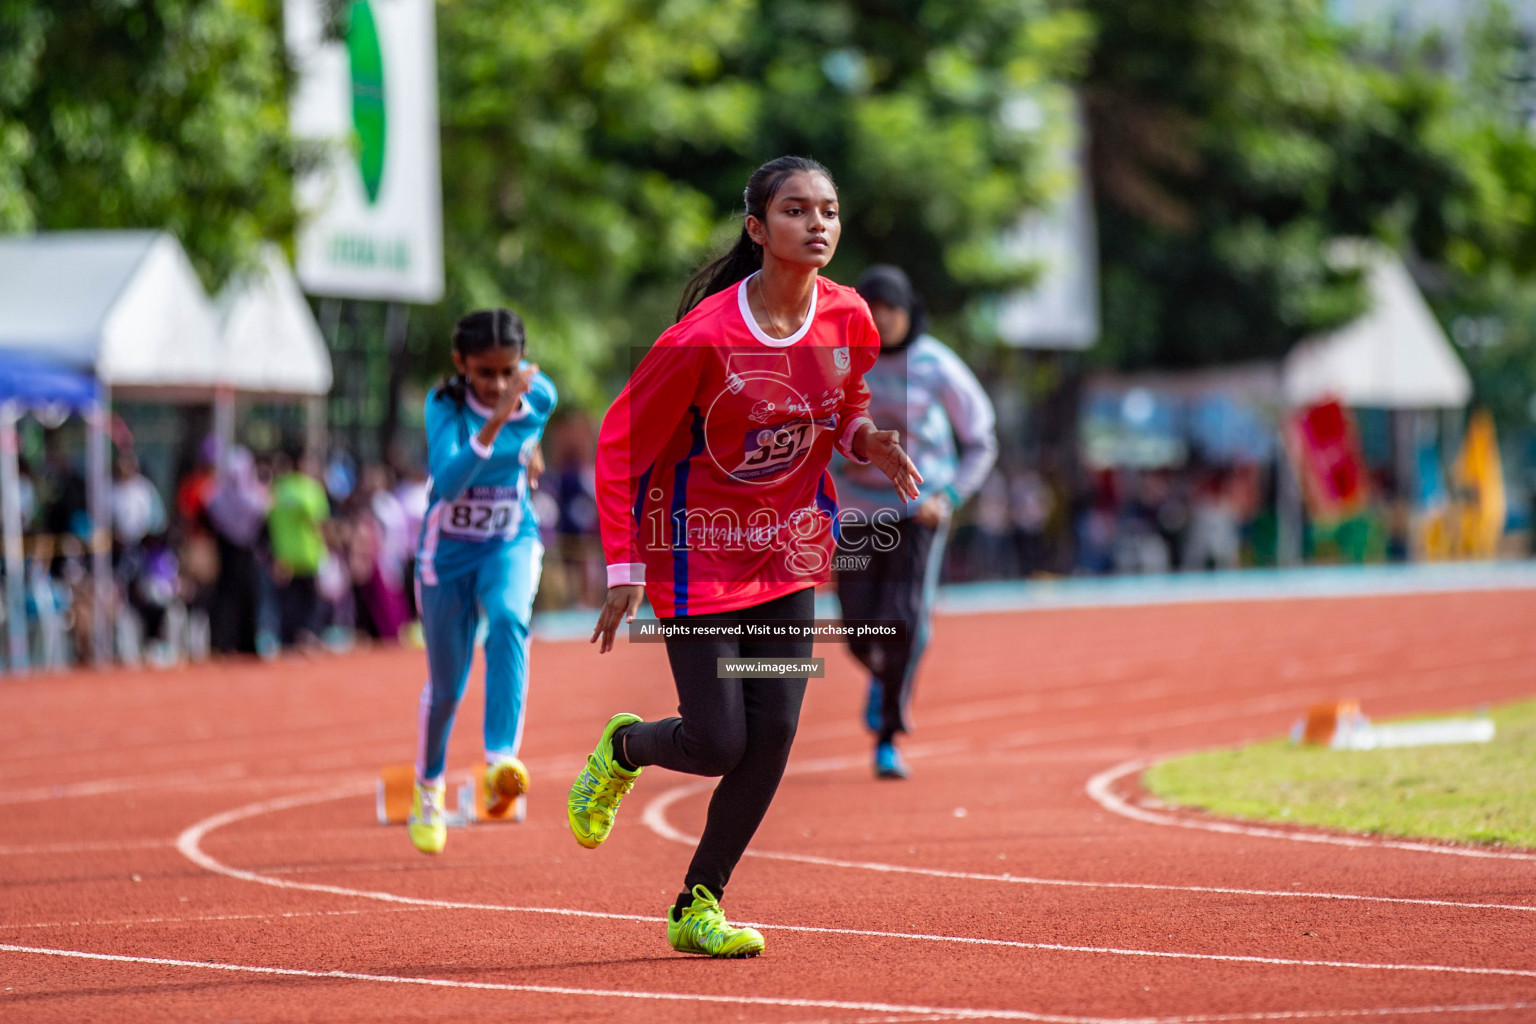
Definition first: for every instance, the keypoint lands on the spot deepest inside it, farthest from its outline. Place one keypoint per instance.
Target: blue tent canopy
(33, 382)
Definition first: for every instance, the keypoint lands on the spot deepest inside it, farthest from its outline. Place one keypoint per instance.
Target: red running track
(200, 844)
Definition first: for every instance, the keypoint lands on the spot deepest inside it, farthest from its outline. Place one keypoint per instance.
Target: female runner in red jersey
(715, 502)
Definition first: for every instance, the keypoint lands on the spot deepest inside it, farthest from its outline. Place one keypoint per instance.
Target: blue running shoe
(888, 762)
(874, 705)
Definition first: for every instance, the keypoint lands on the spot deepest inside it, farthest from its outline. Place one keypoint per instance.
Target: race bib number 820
(484, 513)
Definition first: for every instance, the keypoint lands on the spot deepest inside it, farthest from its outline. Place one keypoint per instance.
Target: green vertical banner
(369, 111)
(372, 210)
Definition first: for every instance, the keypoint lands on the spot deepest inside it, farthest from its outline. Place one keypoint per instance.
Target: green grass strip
(1467, 792)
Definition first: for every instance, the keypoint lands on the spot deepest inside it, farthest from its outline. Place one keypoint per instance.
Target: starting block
(1341, 726)
(1326, 721)
(392, 797)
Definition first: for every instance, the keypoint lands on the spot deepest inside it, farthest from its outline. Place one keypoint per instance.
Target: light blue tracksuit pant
(501, 589)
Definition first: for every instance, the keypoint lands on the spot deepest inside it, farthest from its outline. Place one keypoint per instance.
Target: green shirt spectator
(299, 506)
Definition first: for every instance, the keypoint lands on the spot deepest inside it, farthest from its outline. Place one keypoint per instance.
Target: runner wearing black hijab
(922, 389)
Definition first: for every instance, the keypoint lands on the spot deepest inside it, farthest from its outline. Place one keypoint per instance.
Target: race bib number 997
(769, 451)
(484, 513)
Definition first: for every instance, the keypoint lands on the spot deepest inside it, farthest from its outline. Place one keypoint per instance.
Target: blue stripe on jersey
(680, 516)
(826, 504)
(645, 484)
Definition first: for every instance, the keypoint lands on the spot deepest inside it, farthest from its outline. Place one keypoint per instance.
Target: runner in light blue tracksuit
(890, 551)
(479, 555)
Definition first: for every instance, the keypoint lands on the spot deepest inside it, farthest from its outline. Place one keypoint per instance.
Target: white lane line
(655, 818)
(226, 779)
(1101, 789)
(102, 846)
(907, 1012)
(563, 990)
(119, 845)
(1275, 1015)
(37, 794)
(199, 919)
(884, 1019)
(189, 843)
(1384, 1011)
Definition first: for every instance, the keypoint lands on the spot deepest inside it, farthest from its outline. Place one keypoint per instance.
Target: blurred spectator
(197, 486)
(336, 611)
(1140, 546)
(197, 550)
(27, 495)
(412, 493)
(1215, 538)
(65, 509)
(1031, 505)
(1098, 528)
(237, 514)
(299, 511)
(1170, 511)
(340, 475)
(137, 510)
(381, 543)
(993, 528)
(575, 493)
(143, 566)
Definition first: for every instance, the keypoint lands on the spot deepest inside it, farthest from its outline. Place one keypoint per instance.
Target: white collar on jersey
(757, 332)
(481, 409)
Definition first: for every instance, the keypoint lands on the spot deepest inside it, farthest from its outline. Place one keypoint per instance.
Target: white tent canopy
(124, 305)
(127, 308)
(1393, 357)
(271, 342)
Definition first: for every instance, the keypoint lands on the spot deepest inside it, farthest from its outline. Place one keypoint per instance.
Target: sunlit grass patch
(1467, 792)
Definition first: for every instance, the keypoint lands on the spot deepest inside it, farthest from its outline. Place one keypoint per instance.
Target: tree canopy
(1232, 139)
(169, 114)
(594, 154)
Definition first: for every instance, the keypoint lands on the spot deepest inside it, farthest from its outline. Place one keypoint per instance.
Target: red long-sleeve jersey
(712, 483)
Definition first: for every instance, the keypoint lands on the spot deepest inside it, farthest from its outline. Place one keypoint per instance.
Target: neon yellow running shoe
(703, 929)
(596, 793)
(428, 824)
(504, 782)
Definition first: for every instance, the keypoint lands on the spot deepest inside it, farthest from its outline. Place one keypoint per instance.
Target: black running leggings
(894, 585)
(739, 729)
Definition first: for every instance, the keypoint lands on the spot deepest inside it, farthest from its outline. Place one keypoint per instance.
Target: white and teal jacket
(947, 427)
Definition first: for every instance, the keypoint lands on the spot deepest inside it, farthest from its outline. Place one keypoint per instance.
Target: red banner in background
(1325, 452)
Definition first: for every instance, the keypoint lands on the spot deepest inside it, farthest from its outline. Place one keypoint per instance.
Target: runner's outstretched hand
(883, 448)
(622, 603)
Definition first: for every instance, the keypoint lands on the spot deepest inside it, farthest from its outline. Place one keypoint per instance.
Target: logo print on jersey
(840, 357)
(759, 431)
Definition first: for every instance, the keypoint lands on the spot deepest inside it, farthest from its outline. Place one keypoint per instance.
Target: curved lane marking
(655, 818)
(940, 1012)
(189, 844)
(562, 990)
(1100, 788)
